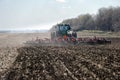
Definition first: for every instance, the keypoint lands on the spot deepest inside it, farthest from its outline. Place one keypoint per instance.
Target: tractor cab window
(64, 28)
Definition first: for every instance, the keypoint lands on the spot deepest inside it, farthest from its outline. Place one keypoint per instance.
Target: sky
(43, 14)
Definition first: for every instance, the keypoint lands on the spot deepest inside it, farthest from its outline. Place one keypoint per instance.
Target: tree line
(107, 19)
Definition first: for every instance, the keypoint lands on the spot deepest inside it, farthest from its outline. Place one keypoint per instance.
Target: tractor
(62, 34)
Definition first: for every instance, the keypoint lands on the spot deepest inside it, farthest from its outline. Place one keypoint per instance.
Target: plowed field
(83, 62)
(66, 63)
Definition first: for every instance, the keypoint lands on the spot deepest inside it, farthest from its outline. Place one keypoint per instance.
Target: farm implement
(62, 34)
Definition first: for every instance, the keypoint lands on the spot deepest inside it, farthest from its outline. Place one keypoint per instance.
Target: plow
(62, 34)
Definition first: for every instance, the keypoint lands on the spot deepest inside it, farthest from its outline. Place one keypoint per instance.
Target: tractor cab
(62, 34)
(62, 30)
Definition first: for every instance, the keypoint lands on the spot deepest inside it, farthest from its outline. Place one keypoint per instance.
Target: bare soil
(84, 62)
(17, 39)
(66, 63)
(9, 43)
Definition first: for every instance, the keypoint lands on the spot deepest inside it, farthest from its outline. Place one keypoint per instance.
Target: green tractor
(62, 34)
(62, 31)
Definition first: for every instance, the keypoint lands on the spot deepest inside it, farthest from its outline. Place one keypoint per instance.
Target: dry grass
(88, 33)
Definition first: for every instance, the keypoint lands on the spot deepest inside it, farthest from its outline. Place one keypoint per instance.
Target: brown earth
(9, 42)
(17, 39)
(66, 63)
(85, 62)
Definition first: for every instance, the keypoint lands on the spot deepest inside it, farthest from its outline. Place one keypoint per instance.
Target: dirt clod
(66, 63)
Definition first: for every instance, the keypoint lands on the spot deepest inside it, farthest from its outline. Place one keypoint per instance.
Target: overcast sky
(42, 14)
